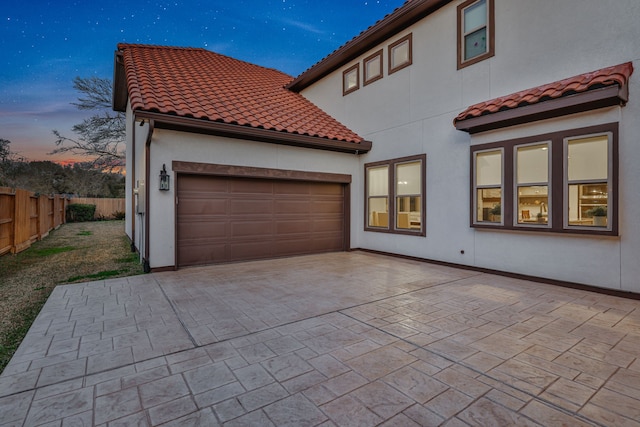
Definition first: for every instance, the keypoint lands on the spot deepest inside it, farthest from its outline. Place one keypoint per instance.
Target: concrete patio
(346, 339)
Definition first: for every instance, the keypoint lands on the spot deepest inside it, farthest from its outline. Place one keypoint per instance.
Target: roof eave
(403, 17)
(577, 103)
(188, 124)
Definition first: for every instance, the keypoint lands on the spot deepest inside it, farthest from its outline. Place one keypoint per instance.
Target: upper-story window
(475, 32)
(351, 79)
(373, 67)
(400, 54)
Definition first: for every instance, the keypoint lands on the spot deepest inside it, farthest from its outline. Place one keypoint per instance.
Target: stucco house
(500, 135)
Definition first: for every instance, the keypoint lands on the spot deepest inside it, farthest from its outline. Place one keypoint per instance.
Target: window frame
(548, 183)
(490, 26)
(475, 187)
(397, 67)
(392, 226)
(558, 197)
(366, 80)
(354, 68)
(609, 181)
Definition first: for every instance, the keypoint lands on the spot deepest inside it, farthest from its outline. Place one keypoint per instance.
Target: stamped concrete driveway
(336, 339)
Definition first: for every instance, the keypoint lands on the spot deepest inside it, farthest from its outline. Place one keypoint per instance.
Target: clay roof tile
(616, 75)
(198, 83)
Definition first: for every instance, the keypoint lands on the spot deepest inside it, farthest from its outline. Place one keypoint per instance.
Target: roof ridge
(124, 46)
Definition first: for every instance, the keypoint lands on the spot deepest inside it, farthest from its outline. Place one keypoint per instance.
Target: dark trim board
(196, 168)
(228, 130)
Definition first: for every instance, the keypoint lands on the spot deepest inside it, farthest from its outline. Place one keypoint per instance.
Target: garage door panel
(198, 230)
(203, 254)
(257, 229)
(197, 207)
(323, 188)
(291, 246)
(250, 186)
(328, 243)
(292, 207)
(201, 183)
(233, 219)
(327, 206)
(248, 206)
(284, 227)
(288, 188)
(239, 251)
(326, 225)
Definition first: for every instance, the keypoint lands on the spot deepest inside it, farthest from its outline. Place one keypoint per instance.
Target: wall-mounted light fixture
(164, 179)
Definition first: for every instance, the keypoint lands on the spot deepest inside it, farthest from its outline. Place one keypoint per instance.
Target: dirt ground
(74, 253)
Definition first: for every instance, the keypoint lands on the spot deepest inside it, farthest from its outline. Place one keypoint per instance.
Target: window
(488, 184)
(561, 182)
(395, 196)
(400, 54)
(532, 184)
(378, 196)
(373, 68)
(351, 79)
(475, 32)
(588, 180)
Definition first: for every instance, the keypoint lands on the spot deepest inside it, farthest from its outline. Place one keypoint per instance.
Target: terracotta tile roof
(616, 75)
(200, 84)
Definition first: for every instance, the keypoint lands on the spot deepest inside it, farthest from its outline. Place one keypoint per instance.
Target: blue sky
(46, 44)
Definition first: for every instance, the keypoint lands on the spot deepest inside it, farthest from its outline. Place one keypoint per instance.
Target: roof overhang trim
(577, 103)
(187, 124)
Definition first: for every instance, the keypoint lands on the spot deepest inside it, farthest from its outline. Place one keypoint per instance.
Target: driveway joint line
(175, 311)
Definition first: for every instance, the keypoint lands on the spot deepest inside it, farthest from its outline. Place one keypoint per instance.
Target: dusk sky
(46, 44)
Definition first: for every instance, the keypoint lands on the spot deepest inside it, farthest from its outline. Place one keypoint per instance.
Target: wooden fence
(105, 208)
(26, 217)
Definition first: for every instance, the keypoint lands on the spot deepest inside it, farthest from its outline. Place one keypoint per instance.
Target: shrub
(118, 215)
(80, 212)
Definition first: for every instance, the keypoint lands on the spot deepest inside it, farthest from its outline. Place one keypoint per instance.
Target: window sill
(532, 228)
(417, 233)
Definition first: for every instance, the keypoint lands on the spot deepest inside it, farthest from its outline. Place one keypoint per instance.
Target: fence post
(7, 219)
(22, 221)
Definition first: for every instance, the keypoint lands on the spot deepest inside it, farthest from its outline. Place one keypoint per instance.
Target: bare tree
(5, 152)
(100, 137)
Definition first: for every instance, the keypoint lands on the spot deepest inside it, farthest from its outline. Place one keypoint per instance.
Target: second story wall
(536, 42)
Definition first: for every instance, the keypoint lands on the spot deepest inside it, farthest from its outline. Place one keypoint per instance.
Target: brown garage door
(224, 219)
